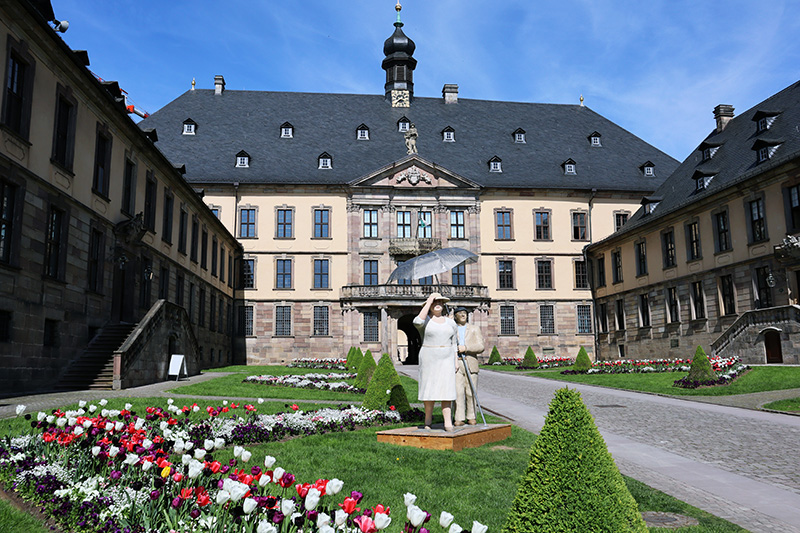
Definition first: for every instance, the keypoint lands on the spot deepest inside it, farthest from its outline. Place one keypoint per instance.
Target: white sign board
(177, 364)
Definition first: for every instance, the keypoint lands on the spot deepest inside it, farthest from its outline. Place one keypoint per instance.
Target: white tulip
(104, 413)
(188, 445)
(163, 426)
(41, 416)
(109, 426)
(179, 444)
(287, 506)
(82, 403)
(416, 515)
(224, 402)
(246, 456)
(50, 419)
(146, 443)
(219, 443)
(170, 401)
(139, 424)
(118, 426)
(222, 497)
(266, 527)
(340, 517)
(95, 450)
(237, 451)
(445, 519)
(195, 408)
(103, 402)
(113, 451)
(477, 527)
(208, 444)
(195, 469)
(131, 459)
(277, 474)
(199, 454)
(455, 528)
(128, 406)
(269, 461)
(80, 412)
(334, 486)
(92, 408)
(147, 465)
(327, 529)
(323, 520)
(87, 424)
(409, 499)
(61, 422)
(186, 458)
(382, 520)
(312, 499)
(264, 480)
(261, 400)
(72, 420)
(249, 505)
(239, 490)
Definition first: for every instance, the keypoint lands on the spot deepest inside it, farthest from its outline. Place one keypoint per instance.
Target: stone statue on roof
(411, 140)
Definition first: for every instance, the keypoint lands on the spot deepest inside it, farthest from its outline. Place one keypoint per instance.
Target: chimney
(450, 93)
(219, 84)
(723, 113)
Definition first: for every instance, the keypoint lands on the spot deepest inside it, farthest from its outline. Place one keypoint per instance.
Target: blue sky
(655, 67)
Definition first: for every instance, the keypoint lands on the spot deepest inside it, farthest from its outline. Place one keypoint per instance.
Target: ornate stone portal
(788, 249)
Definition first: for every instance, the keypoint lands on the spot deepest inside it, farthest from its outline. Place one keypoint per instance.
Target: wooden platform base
(437, 438)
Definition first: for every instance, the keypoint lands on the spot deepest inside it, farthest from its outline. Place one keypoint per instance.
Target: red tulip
(366, 524)
(349, 505)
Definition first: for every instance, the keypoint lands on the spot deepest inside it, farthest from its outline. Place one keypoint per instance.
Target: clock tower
(399, 65)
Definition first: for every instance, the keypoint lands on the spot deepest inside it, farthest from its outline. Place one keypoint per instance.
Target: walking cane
(472, 387)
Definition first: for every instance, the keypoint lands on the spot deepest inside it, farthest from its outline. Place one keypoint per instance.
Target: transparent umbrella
(432, 263)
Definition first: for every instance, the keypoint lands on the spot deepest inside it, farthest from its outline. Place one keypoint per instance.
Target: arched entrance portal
(406, 325)
(772, 345)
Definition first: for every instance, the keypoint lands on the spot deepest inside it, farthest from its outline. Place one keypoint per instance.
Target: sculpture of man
(411, 139)
(470, 344)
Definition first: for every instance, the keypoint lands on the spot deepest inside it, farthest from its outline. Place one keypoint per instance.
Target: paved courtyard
(737, 463)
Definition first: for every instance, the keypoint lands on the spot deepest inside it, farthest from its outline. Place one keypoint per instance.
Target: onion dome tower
(399, 65)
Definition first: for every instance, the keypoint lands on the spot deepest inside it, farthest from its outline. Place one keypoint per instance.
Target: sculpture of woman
(437, 358)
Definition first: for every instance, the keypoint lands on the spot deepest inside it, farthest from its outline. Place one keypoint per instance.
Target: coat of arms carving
(414, 176)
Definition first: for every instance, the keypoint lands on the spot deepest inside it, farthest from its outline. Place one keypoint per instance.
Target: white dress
(437, 359)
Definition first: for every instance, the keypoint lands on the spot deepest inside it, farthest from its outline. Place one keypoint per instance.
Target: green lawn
(759, 379)
(792, 405)
(232, 386)
(12, 520)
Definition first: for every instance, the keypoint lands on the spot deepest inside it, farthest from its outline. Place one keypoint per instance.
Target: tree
(582, 362)
(495, 357)
(530, 358)
(385, 389)
(365, 370)
(701, 370)
(572, 483)
(354, 361)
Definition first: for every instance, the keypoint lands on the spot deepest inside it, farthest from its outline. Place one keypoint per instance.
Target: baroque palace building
(109, 260)
(328, 193)
(713, 257)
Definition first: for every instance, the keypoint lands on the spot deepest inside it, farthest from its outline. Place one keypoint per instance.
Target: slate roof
(735, 160)
(251, 120)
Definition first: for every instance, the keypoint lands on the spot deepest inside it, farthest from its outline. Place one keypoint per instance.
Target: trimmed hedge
(701, 367)
(582, 362)
(572, 483)
(354, 359)
(385, 389)
(530, 358)
(495, 357)
(365, 371)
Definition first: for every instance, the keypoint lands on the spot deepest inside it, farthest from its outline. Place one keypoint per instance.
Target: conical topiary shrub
(572, 482)
(495, 357)
(354, 361)
(349, 362)
(582, 362)
(701, 370)
(382, 390)
(530, 358)
(365, 371)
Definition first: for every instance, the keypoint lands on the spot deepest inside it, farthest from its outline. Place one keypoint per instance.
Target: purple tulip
(423, 530)
(427, 517)
(278, 517)
(287, 479)
(367, 512)
(255, 471)
(356, 496)
(176, 502)
(195, 513)
(312, 515)
(155, 494)
(116, 474)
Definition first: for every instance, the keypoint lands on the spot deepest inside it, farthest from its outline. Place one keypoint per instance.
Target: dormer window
(519, 136)
(702, 179)
(287, 131)
(189, 127)
(650, 203)
(242, 159)
(449, 135)
(362, 133)
(403, 125)
(570, 167)
(648, 169)
(764, 120)
(594, 139)
(765, 148)
(495, 164)
(325, 161)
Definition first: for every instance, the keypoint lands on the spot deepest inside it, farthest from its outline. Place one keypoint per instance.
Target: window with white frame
(283, 320)
(362, 133)
(403, 125)
(370, 223)
(242, 161)
(287, 131)
(371, 329)
(519, 137)
(569, 168)
(321, 320)
(595, 139)
(508, 322)
(189, 128)
(325, 162)
(649, 171)
(547, 321)
(449, 135)
(584, 319)
(404, 224)
(457, 227)
(495, 166)
(424, 225)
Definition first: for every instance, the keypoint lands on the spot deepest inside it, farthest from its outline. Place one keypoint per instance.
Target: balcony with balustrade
(409, 246)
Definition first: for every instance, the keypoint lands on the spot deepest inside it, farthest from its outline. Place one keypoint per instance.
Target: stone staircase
(95, 368)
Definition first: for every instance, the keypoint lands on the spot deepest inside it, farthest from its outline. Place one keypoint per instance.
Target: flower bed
(114, 471)
(331, 363)
(727, 370)
(544, 362)
(308, 381)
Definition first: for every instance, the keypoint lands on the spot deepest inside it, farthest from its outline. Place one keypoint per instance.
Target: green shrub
(701, 367)
(582, 362)
(495, 357)
(365, 371)
(385, 388)
(530, 358)
(349, 362)
(354, 361)
(572, 483)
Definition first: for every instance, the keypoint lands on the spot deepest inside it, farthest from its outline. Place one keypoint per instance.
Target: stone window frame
(497, 211)
(513, 307)
(283, 305)
(222, 261)
(364, 315)
(277, 210)
(243, 320)
(668, 291)
(463, 225)
(314, 307)
(667, 260)
(427, 210)
(183, 228)
(164, 279)
(747, 200)
(601, 271)
(240, 210)
(587, 319)
(573, 227)
(150, 210)
(575, 261)
(619, 307)
(545, 259)
(101, 185)
(513, 261)
(214, 255)
(194, 239)
(718, 249)
(540, 308)
(21, 50)
(291, 274)
(792, 225)
(645, 319)
(374, 226)
(701, 308)
(17, 186)
(314, 259)
(398, 225)
(314, 209)
(167, 214)
(692, 254)
(216, 210)
(180, 287)
(549, 225)
(372, 259)
(97, 285)
(129, 182)
(758, 289)
(254, 258)
(60, 204)
(640, 257)
(723, 307)
(145, 282)
(204, 247)
(617, 271)
(65, 94)
(619, 212)
(601, 317)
